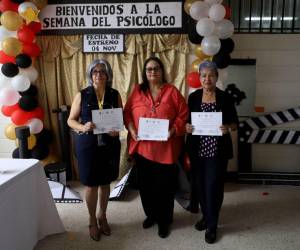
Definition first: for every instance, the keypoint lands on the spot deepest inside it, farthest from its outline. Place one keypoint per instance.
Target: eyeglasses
(101, 72)
(154, 69)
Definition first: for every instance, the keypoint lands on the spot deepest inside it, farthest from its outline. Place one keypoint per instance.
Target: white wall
(6, 146)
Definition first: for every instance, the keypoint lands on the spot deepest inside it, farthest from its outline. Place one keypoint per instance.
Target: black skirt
(98, 165)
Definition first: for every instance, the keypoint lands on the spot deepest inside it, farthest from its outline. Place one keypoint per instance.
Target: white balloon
(4, 81)
(205, 26)
(224, 29)
(9, 96)
(210, 45)
(4, 33)
(211, 2)
(24, 6)
(20, 82)
(199, 10)
(30, 72)
(35, 125)
(217, 12)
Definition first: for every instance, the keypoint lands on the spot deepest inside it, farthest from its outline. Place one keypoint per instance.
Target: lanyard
(101, 101)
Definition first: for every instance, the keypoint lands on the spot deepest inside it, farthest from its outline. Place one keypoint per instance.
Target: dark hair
(145, 84)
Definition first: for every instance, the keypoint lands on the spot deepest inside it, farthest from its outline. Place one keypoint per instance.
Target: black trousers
(209, 178)
(157, 185)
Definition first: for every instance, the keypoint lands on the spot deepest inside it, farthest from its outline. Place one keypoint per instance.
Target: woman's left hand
(113, 133)
(225, 129)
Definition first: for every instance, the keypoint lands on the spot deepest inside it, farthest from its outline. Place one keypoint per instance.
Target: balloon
(210, 45)
(6, 59)
(187, 5)
(8, 110)
(40, 4)
(11, 46)
(31, 140)
(20, 82)
(51, 158)
(193, 79)
(222, 60)
(6, 5)
(9, 69)
(205, 27)
(211, 2)
(40, 152)
(194, 37)
(228, 12)
(45, 137)
(28, 103)
(31, 49)
(199, 53)
(11, 20)
(195, 65)
(227, 45)
(30, 72)
(32, 91)
(35, 26)
(18, 1)
(35, 125)
(217, 12)
(37, 113)
(10, 132)
(16, 153)
(9, 96)
(224, 29)
(23, 61)
(199, 10)
(25, 5)
(4, 33)
(26, 35)
(20, 117)
(4, 81)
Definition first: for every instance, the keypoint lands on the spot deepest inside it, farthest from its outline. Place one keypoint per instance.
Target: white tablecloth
(27, 210)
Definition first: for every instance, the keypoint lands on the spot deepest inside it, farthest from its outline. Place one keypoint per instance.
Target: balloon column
(18, 49)
(210, 31)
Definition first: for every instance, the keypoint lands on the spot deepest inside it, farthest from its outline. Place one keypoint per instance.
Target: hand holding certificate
(107, 120)
(207, 123)
(152, 129)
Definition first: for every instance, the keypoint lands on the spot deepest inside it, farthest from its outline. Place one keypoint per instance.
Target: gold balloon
(12, 46)
(40, 4)
(187, 5)
(51, 158)
(31, 140)
(199, 53)
(10, 132)
(195, 65)
(11, 20)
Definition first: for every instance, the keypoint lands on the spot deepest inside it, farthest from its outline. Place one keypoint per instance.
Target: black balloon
(193, 35)
(227, 45)
(23, 61)
(15, 153)
(32, 91)
(28, 103)
(10, 69)
(40, 152)
(222, 60)
(44, 137)
(18, 1)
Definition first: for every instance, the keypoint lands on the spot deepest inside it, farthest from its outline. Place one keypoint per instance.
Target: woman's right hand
(133, 134)
(88, 127)
(189, 128)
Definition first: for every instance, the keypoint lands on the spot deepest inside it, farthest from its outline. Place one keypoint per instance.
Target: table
(27, 209)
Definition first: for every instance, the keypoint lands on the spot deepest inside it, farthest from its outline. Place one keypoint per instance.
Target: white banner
(105, 43)
(108, 16)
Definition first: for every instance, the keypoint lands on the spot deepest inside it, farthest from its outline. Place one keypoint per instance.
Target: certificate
(107, 120)
(152, 129)
(207, 123)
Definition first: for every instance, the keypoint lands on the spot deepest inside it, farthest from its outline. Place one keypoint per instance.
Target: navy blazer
(224, 104)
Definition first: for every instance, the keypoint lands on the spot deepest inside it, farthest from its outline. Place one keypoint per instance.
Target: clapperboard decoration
(63, 194)
(254, 130)
(118, 189)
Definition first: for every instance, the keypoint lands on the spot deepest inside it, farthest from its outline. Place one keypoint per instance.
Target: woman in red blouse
(155, 160)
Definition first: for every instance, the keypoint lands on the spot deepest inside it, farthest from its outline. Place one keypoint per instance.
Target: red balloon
(37, 113)
(228, 12)
(26, 35)
(6, 59)
(8, 110)
(193, 79)
(35, 26)
(31, 49)
(8, 5)
(20, 117)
